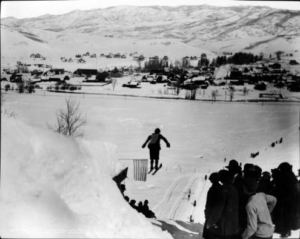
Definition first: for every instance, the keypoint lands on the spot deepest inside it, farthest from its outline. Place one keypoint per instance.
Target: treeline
(238, 58)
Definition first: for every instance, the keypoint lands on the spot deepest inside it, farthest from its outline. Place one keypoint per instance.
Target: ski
(159, 167)
(150, 171)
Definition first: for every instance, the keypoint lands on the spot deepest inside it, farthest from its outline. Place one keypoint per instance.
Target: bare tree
(113, 83)
(231, 94)
(278, 54)
(69, 120)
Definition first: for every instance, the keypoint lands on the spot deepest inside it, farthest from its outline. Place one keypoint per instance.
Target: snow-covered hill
(174, 29)
(58, 187)
(184, 22)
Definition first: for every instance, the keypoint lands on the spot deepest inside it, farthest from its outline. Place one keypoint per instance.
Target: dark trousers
(152, 161)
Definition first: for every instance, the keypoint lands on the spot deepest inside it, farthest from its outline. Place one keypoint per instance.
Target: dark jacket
(285, 215)
(154, 141)
(224, 218)
(211, 199)
(243, 200)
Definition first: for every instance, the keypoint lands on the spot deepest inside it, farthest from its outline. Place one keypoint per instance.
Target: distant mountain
(207, 27)
(186, 23)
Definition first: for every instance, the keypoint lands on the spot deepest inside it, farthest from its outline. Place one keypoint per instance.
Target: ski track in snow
(176, 210)
(172, 203)
(163, 209)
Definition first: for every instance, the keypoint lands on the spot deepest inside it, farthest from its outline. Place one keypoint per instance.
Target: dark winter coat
(243, 200)
(224, 218)
(154, 141)
(286, 213)
(211, 201)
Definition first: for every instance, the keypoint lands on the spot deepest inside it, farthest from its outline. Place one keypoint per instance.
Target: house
(118, 55)
(57, 71)
(141, 58)
(81, 60)
(32, 56)
(165, 61)
(154, 63)
(93, 56)
(101, 76)
(185, 61)
(86, 72)
(123, 56)
(102, 55)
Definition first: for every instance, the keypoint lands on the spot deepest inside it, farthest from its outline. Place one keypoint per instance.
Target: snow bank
(54, 186)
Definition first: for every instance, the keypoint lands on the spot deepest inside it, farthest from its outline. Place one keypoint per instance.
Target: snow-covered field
(75, 174)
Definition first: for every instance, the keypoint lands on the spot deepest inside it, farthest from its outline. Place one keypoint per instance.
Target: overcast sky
(25, 9)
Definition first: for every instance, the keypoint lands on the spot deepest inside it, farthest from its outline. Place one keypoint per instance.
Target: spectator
(265, 184)
(286, 214)
(122, 188)
(248, 172)
(140, 207)
(224, 219)
(132, 204)
(258, 208)
(234, 169)
(211, 200)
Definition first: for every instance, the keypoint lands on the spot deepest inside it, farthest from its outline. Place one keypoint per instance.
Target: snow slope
(58, 187)
(201, 134)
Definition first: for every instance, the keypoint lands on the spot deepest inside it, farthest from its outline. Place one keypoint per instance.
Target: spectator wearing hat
(286, 215)
(265, 184)
(248, 172)
(224, 219)
(258, 171)
(258, 208)
(234, 169)
(211, 200)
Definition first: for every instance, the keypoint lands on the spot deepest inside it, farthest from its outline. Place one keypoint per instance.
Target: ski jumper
(154, 147)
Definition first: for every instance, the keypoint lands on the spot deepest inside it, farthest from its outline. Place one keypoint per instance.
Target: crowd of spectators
(142, 207)
(250, 203)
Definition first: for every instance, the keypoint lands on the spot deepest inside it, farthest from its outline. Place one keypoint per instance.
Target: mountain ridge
(204, 26)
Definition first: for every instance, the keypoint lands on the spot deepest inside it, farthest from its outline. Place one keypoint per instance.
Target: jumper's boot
(151, 165)
(156, 164)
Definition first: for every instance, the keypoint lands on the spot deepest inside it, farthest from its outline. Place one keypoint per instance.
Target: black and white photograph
(150, 119)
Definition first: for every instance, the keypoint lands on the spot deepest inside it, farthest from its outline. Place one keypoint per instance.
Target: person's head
(285, 167)
(126, 198)
(122, 187)
(146, 202)
(250, 186)
(233, 166)
(225, 176)
(250, 171)
(258, 171)
(275, 173)
(266, 175)
(157, 131)
(132, 202)
(140, 204)
(214, 178)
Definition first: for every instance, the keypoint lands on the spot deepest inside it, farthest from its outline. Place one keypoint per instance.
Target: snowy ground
(201, 134)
